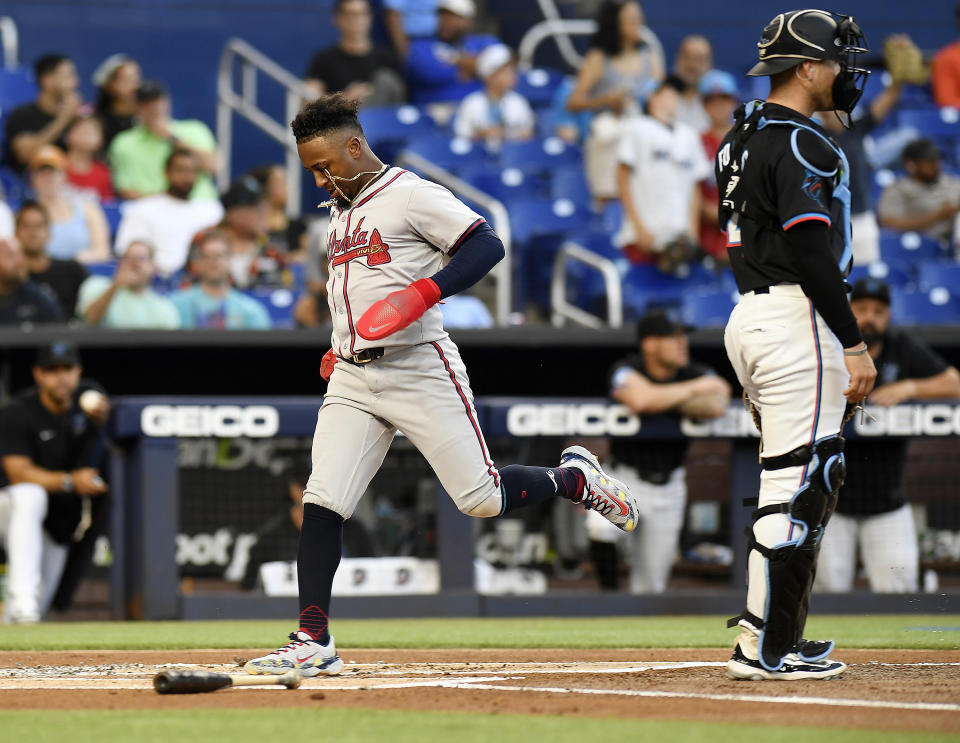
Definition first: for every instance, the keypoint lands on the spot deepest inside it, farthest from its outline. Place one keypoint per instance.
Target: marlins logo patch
(813, 187)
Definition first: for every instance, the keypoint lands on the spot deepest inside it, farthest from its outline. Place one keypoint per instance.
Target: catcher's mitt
(904, 61)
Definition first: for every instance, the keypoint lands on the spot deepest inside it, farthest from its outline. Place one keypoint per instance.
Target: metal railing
(561, 310)
(244, 103)
(10, 40)
(501, 273)
(562, 29)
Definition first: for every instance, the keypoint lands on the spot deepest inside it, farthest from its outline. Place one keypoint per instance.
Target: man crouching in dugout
(792, 338)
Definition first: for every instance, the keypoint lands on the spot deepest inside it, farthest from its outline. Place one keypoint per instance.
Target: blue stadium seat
(538, 216)
(936, 307)
(570, 183)
(13, 188)
(908, 249)
(896, 276)
(940, 273)
(279, 303)
(547, 155)
(113, 214)
(451, 153)
(395, 124)
(505, 185)
(539, 86)
(938, 123)
(709, 308)
(645, 286)
(16, 88)
(106, 269)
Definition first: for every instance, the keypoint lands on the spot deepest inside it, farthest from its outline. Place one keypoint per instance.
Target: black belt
(762, 290)
(364, 357)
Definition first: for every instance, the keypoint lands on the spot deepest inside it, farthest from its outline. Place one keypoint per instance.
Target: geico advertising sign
(222, 421)
(936, 419)
(571, 420)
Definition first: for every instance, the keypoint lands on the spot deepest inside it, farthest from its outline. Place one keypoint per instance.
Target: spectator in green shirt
(127, 301)
(138, 155)
(212, 302)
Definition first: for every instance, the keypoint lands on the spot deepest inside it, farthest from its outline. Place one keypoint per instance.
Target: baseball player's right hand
(326, 366)
(862, 376)
(86, 481)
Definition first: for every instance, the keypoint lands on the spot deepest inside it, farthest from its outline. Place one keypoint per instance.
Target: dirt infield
(882, 689)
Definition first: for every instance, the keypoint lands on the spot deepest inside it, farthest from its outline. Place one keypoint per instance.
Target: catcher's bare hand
(862, 376)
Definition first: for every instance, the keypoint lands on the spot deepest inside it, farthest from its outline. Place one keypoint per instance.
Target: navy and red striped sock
(523, 486)
(318, 556)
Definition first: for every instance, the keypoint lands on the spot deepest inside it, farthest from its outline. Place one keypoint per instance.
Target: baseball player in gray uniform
(792, 338)
(397, 245)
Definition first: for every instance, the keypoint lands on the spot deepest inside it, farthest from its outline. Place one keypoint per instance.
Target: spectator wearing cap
(60, 278)
(616, 73)
(78, 226)
(694, 59)
(659, 379)
(22, 302)
(51, 491)
(169, 221)
(127, 300)
(355, 64)
(718, 91)
(408, 20)
(660, 166)
(138, 156)
(927, 200)
(212, 302)
(498, 112)
(863, 218)
(117, 79)
(443, 68)
(872, 509)
(254, 260)
(85, 172)
(44, 121)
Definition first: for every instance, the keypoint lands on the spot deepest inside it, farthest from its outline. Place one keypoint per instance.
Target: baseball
(91, 400)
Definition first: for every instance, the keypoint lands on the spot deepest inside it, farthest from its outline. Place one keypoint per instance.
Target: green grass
(370, 726)
(875, 631)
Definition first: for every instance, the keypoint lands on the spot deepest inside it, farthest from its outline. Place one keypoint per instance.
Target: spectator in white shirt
(497, 112)
(169, 221)
(694, 59)
(661, 162)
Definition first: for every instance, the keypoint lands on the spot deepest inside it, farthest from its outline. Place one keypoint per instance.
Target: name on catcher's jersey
(400, 228)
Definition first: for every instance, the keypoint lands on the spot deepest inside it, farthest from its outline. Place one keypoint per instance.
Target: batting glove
(398, 310)
(326, 366)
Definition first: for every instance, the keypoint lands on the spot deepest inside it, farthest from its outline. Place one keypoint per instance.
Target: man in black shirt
(792, 339)
(22, 302)
(355, 64)
(872, 508)
(660, 379)
(46, 120)
(60, 278)
(47, 445)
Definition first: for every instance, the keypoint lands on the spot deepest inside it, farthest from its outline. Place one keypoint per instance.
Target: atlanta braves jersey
(399, 228)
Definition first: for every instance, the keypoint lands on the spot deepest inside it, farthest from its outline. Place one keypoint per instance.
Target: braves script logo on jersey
(358, 244)
(813, 187)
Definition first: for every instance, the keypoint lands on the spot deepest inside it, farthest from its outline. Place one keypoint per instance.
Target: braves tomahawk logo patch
(358, 244)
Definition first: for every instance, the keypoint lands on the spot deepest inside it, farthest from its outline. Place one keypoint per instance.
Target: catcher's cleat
(607, 496)
(301, 654)
(742, 668)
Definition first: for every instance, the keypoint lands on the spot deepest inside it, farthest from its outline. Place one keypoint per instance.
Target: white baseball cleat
(604, 494)
(742, 668)
(301, 654)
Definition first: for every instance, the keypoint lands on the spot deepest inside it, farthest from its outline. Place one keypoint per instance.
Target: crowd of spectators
(648, 133)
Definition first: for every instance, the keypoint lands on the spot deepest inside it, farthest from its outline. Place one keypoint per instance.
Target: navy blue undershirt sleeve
(477, 254)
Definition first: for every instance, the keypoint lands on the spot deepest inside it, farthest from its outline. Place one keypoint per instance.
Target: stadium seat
(395, 124)
(645, 286)
(570, 183)
(16, 88)
(505, 185)
(113, 213)
(709, 308)
(896, 276)
(908, 249)
(933, 274)
(450, 153)
(106, 268)
(13, 188)
(539, 86)
(279, 303)
(934, 122)
(532, 217)
(936, 307)
(546, 155)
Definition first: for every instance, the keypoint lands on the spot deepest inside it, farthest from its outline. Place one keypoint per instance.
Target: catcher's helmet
(790, 38)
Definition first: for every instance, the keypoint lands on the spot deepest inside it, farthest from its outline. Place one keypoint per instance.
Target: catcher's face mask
(850, 82)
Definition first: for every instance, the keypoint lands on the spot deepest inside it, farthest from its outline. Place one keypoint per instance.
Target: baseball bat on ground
(198, 682)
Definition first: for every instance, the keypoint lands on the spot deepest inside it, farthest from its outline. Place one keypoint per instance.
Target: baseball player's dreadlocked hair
(324, 115)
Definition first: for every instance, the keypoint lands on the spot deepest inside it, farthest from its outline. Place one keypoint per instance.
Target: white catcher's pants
(651, 548)
(34, 561)
(791, 366)
(888, 548)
